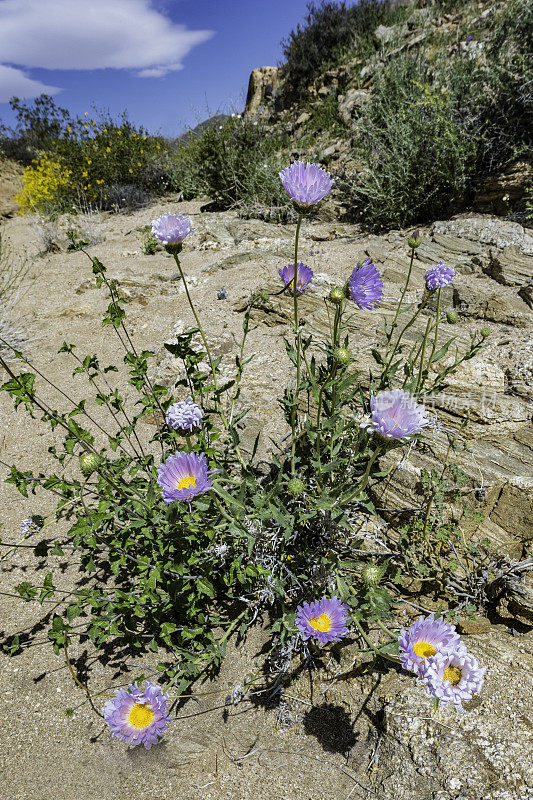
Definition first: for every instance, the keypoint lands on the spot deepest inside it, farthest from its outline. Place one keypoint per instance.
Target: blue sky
(169, 63)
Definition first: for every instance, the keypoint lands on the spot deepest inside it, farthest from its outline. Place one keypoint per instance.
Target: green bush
(235, 163)
(329, 29)
(109, 162)
(420, 160)
(506, 98)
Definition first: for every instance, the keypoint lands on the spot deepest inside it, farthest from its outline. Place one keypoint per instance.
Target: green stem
(364, 478)
(404, 290)
(385, 629)
(241, 356)
(294, 415)
(423, 352)
(371, 644)
(404, 329)
(208, 351)
(436, 329)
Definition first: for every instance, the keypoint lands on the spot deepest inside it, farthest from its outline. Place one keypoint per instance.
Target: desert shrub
(100, 155)
(235, 163)
(177, 562)
(504, 92)
(39, 124)
(325, 117)
(420, 159)
(328, 30)
(46, 186)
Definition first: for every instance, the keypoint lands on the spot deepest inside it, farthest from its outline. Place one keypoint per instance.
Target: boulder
(444, 755)
(354, 98)
(262, 86)
(500, 193)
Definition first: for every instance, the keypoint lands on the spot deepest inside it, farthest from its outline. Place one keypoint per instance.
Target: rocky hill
(330, 118)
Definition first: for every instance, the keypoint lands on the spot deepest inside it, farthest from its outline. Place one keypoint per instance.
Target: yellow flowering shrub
(45, 185)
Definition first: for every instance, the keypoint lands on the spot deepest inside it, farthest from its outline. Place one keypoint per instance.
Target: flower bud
(485, 332)
(296, 487)
(337, 295)
(414, 239)
(341, 355)
(452, 317)
(372, 574)
(88, 463)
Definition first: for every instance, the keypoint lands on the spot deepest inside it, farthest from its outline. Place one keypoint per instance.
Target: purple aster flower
(184, 415)
(306, 184)
(304, 276)
(171, 228)
(395, 414)
(452, 677)
(366, 286)
(138, 717)
(324, 620)
(469, 39)
(425, 638)
(183, 476)
(439, 276)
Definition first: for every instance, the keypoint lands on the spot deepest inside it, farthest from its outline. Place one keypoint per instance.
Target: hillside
(428, 112)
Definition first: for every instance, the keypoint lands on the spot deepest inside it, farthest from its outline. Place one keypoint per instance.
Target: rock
(500, 193)
(329, 151)
(482, 301)
(510, 267)
(486, 230)
(326, 91)
(386, 34)
(74, 311)
(518, 602)
(229, 262)
(483, 753)
(469, 627)
(262, 88)
(10, 185)
(303, 118)
(354, 98)
(515, 503)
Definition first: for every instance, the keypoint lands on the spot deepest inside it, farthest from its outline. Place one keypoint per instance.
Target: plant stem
(423, 352)
(436, 329)
(371, 644)
(404, 290)
(364, 478)
(208, 351)
(294, 415)
(404, 329)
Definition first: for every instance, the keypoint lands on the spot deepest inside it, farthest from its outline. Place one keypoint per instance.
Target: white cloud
(14, 82)
(88, 35)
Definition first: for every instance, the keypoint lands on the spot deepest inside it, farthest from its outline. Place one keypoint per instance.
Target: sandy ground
(325, 747)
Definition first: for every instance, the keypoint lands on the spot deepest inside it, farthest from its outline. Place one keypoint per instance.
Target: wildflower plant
(182, 539)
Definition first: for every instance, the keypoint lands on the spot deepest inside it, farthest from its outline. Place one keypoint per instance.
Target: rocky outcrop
(354, 98)
(500, 193)
(262, 86)
(484, 753)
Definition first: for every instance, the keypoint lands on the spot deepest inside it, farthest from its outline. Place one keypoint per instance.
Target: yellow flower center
(321, 623)
(140, 715)
(188, 480)
(424, 649)
(452, 674)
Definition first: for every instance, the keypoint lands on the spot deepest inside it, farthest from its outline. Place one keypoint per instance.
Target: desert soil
(372, 733)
